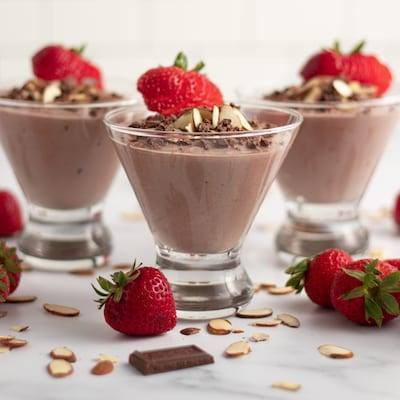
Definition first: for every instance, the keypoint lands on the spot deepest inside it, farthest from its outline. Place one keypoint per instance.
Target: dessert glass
(199, 200)
(328, 170)
(65, 164)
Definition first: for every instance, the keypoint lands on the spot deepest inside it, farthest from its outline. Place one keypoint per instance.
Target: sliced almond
(286, 385)
(267, 285)
(189, 128)
(237, 349)
(267, 323)
(51, 92)
(259, 337)
(332, 351)
(16, 343)
(313, 95)
(60, 368)
(4, 349)
(289, 320)
(184, 120)
(5, 339)
(21, 299)
(215, 116)
(108, 357)
(82, 272)
(245, 124)
(219, 327)
(189, 331)
(122, 266)
(103, 368)
(197, 118)
(3, 314)
(280, 290)
(257, 313)
(228, 112)
(342, 88)
(237, 330)
(19, 328)
(62, 311)
(63, 353)
(206, 113)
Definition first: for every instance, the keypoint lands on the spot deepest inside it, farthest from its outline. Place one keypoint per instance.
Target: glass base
(206, 286)
(313, 228)
(65, 240)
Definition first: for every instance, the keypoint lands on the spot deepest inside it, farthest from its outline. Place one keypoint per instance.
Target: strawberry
(367, 292)
(4, 285)
(10, 214)
(138, 302)
(56, 62)
(316, 275)
(11, 264)
(395, 262)
(355, 66)
(396, 211)
(172, 90)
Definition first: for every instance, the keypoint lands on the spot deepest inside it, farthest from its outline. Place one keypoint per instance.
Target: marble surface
(290, 354)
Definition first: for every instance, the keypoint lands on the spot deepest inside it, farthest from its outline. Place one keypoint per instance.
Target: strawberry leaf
(359, 275)
(358, 47)
(358, 291)
(373, 310)
(391, 281)
(389, 303)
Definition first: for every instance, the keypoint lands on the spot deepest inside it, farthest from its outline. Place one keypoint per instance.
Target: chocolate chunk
(170, 359)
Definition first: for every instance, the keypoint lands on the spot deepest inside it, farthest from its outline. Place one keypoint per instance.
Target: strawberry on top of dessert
(171, 90)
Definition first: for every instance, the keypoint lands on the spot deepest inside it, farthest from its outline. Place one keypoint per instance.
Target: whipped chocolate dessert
(200, 177)
(53, 135)
(340, 142)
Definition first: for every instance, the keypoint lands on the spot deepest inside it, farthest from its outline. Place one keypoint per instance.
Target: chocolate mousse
(201, 177)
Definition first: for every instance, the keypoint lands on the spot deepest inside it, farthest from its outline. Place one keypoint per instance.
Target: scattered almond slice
(16, 343)
(219, 327)
(21, 299)
(243, 120)
(280, 290)
(82, 272)
(3, 314)
(215, 116)
(197, 118)
(267, 285)
(103, 367)
(62, 311)
(259, 337)
(108, 357)
(51, 92)
(332, 351)
(267, 323)
(289, 320)
(63, 353)
(189, 331)
(19, 328)
(257, 313)
(342, 88)
(60, 368)
(122, 266)
(4, 349)
(237, 349)
(237, 330)
(5, 339)
(286, 385)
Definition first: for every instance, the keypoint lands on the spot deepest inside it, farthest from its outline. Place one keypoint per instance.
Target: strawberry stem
(181, 61)
(358, 47)
(199, 66)
(336, 46)
(79, 50)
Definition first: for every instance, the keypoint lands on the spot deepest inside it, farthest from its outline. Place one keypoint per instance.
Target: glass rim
(391, 98)
(151, 133)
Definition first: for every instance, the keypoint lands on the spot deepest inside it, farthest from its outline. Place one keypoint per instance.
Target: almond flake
(82, 272)
(289, 320)
(103, 368)
(215, 116)
(108, 357)
(60, 368)
(21, 299)
(237, 349)
(332, 351)
(63, 353)
(243, 120)
(4, 349)
(286, 385)
(3, 314)
(258, 313)
(237, 330)
(51, 92)
(16, 343)
(259, 337)
(5, 339)
(342, 88)
(184, 120)
(267, 285)
(19, 328)
(189, 331)
(280, 290)
(267, 323)
(219, 327)
(197, 119)
(122, 266)
(62, 311)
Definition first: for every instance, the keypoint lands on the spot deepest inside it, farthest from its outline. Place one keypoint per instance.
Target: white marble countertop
(291, 354)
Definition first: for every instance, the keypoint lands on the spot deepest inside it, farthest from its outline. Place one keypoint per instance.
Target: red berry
(316, 275)
(10, 262)
(171, 90)
(4, 285)
(367, 292)
(10, 214)
(139, 302)
(56, 62)
(355, 66)
(395, 262)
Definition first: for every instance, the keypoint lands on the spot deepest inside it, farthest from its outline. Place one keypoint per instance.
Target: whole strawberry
(355, 66)
(10, 214)
(367, 292)
(171, 90)
(11, 264)
(4, 285)
(56, 62)
(138, 302)
(316, 275)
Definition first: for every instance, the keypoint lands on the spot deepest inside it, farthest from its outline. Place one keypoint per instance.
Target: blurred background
(242, 42)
